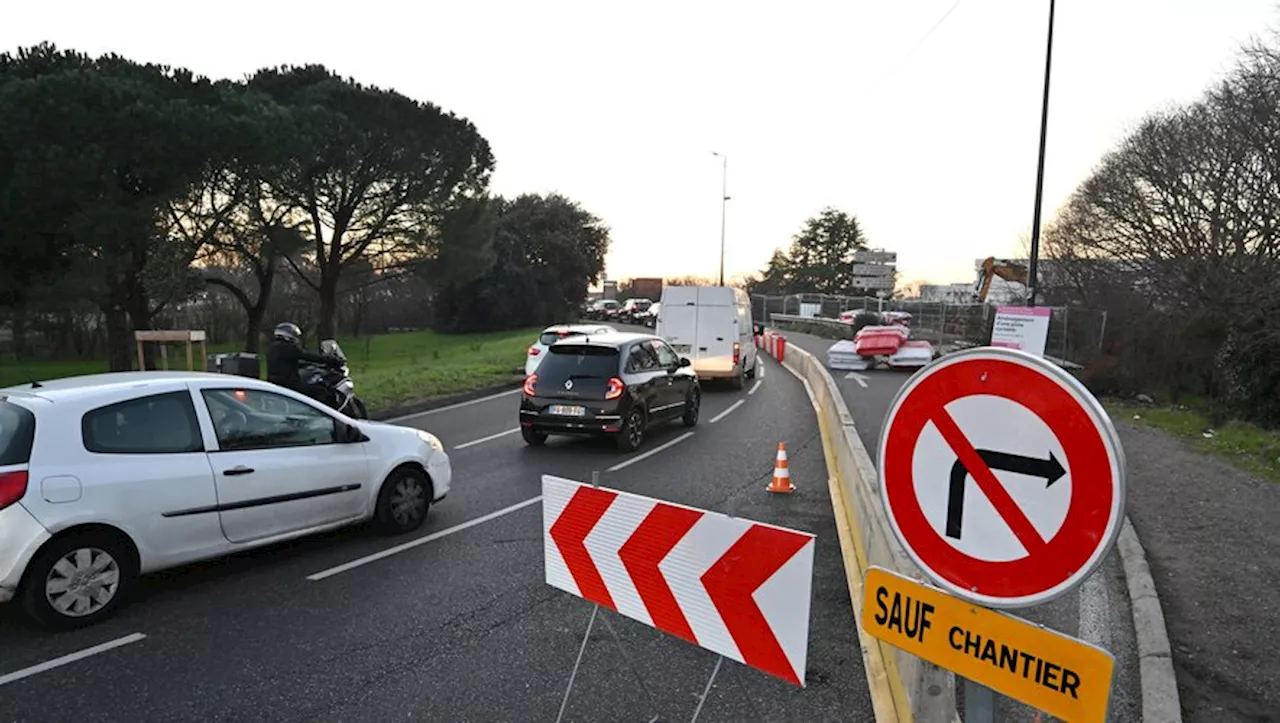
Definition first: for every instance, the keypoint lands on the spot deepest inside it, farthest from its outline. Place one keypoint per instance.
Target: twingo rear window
(579, 361)
(17, 432)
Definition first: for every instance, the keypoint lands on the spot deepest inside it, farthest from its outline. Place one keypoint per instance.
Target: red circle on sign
(1089, 517)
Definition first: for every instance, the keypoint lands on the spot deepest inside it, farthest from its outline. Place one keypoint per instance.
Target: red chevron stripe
(661, 530)
(732, 581)
(576, 521)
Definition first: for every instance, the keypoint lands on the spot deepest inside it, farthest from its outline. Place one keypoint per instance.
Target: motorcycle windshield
(329, 347)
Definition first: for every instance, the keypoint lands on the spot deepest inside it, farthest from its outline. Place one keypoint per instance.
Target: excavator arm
(1005, 269)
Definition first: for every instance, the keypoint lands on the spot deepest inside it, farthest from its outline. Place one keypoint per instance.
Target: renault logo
(568, 384)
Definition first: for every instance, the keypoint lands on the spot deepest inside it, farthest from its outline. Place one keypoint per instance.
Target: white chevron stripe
(606, 539)
(705, 543)
(556, 493)
(784, 601)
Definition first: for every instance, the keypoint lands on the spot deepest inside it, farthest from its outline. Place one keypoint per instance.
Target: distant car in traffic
(106, 477)
(649, 317)
(619, 385)
(604, 310)
(633, 309)
(555, 333)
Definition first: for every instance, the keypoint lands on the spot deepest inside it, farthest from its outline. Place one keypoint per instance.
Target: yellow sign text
(1062, 676)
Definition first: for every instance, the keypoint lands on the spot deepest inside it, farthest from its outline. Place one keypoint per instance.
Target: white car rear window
(17, 432)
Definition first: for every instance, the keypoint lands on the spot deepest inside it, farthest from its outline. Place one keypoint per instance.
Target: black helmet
(288, 331)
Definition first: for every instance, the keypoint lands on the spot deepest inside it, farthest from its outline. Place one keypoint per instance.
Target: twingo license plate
(564, 410)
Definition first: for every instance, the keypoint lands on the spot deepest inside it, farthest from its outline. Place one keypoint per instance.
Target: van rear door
(717, 332)
(678, 319)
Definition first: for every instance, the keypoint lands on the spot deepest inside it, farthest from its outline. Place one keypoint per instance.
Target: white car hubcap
(82, 582)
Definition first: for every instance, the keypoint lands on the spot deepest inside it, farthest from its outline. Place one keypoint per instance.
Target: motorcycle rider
(283, 357)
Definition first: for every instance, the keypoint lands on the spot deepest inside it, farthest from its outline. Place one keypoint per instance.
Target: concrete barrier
(903, 687)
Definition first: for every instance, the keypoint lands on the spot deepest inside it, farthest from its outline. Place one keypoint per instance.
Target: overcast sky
(619, 105)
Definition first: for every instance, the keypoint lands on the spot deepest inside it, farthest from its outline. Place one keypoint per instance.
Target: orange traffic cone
(781, 475)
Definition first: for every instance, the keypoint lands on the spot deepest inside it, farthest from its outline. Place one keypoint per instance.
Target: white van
(711, 326)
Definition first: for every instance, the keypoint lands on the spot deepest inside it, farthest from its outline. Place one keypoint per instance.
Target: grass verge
(389, 369)
(1249, 447)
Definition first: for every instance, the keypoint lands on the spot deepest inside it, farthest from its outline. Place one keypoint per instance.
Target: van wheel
(78, 580)
(751, 374)
(740, 380)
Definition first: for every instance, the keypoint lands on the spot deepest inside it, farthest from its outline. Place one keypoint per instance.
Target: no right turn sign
(1002, 476)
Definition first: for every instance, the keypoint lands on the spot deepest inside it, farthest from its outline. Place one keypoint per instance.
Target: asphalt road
(1098, 611)
(461, 626)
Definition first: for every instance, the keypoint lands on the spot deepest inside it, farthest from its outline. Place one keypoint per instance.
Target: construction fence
(1075, 333)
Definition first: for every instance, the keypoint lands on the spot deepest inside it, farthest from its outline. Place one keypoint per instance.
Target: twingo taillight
(534, 351)
(737, 353)
(529, 381)
(615, 388)
(13, 485)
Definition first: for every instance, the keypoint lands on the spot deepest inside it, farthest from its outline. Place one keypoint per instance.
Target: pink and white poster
(1022, 327)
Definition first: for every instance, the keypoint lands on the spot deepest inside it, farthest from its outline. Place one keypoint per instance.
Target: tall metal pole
(724, 199)
(1033, 280)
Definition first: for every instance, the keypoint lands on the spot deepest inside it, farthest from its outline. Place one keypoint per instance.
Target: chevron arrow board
(735, 587)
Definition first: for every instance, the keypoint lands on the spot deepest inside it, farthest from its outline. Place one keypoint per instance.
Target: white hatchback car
(552, 334)
(108, 476)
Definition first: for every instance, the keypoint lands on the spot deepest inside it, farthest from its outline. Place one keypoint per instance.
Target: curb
(1160, 701)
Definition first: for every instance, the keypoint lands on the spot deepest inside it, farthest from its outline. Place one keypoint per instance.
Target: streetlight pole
(724, 198)
(1033, 279)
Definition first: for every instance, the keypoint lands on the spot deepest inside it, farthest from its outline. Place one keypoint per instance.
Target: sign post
(1004, 479)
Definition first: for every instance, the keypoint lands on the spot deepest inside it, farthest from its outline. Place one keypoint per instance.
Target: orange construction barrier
(781, 475)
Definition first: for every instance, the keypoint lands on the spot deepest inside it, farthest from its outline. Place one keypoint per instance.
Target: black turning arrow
(1050, 470)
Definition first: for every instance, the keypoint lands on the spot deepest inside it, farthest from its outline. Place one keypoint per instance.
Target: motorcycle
(342, 390)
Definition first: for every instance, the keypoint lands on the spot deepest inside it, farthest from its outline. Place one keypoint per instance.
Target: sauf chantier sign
(1003, 478)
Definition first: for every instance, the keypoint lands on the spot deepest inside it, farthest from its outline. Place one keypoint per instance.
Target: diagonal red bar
(987, 482)
(570, 530)
(735, 577)
(661, 530)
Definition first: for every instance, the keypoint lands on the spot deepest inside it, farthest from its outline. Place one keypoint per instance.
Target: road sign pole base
(979, 703)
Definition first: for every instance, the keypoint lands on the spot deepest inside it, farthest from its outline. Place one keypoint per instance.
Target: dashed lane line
(421, 540)
(726, 412)
(482, 440)
(650, 453)
(69, 658)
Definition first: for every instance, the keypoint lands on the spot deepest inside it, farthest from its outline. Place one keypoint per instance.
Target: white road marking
(421, 540)
(71, 658)
(650, 453)
(725, 413)
(755, 386)
(861, 380)
(437, 410)
(760, 371)
(482, 440)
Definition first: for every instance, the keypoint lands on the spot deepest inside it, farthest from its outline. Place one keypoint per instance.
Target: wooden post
(190, 367)
(164, 357)
(142, 359)
(204, 357)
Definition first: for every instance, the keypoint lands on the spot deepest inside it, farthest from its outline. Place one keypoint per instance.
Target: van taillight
(737, 353)
(615, 388)
(13, 485)
(528, 384)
